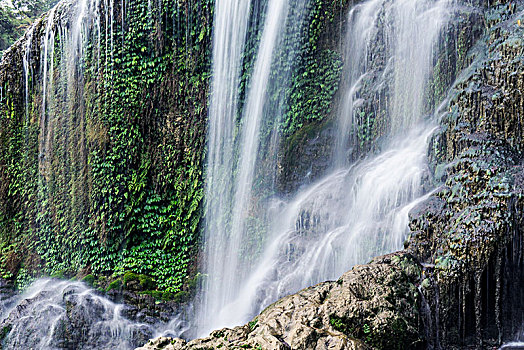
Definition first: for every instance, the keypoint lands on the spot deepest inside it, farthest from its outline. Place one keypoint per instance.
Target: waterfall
(361, 210)
(362, 19)
(62, 88)
(54, 314)
(229, 34)
(407, 66)
(358, 210)
(233, 150)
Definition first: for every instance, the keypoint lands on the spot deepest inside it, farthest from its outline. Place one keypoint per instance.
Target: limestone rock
(373, 305)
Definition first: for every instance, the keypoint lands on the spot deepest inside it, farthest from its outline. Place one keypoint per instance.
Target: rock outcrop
(372, 305)
(470, 231)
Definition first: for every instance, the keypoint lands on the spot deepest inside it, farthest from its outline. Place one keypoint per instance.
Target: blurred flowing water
(255, 251)
(359, 209)
(54, 314)
(233, 150)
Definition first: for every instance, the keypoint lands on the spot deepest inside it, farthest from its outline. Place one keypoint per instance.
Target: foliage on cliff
(102, 141)
(101, 165)
(16, 16)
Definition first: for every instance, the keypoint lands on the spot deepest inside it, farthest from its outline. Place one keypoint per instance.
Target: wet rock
(373, 305)
(469, 232)
(68, 315)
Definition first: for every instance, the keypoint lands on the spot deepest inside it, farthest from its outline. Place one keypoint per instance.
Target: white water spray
(355, 212)
(54, 314)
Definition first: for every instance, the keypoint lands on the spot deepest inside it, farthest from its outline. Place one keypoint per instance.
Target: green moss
(146, 282)
(195, 281)
(61, 274)
(181, 297)
(130, 277)
(253, 324)
(116, 284)
(89, 280)
(313, 90)
(167, 296)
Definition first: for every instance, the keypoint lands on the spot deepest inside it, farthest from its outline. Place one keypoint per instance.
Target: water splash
(344, 219)
(54, 314)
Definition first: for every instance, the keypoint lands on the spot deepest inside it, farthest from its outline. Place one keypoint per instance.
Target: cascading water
(55, 314)
(62, 138)
(47, 84)
(356, 212)
(363, 19)
(230, 180)
(228, 45)
(398, 24)
(360, 211)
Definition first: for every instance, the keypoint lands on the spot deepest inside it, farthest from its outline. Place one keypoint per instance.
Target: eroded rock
(373, 305)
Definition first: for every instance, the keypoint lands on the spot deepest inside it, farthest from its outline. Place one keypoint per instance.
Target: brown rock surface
(371, 305)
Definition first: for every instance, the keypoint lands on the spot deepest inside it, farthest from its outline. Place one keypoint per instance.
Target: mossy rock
(116, 284)
(167, 296)
(181, 297)
(154, 293)
(89, 280)
(61, 274)
(138, 282)
(130, 277)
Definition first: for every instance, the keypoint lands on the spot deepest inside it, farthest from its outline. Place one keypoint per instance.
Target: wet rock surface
(55, 314)
(469, 233)
(373, 305)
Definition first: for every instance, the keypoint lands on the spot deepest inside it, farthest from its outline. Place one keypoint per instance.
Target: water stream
(54, 314)
(233, 156)
(229, 35)
(358, 210)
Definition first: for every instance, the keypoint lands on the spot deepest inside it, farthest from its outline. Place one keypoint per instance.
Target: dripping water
(47, 84)
(27, 69)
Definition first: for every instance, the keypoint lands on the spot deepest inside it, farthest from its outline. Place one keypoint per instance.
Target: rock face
(459, 283)
(372, 305)
(471, 228)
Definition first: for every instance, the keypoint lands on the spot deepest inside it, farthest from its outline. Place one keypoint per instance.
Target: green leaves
(131, 199)
(313, 90)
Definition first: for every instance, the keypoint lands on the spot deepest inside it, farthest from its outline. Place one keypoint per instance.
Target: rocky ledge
(372, 305)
